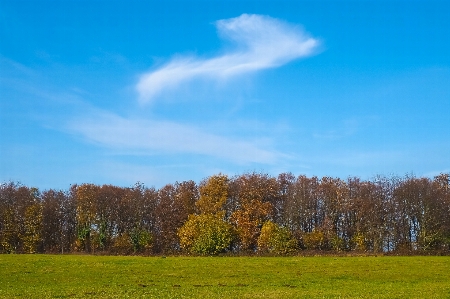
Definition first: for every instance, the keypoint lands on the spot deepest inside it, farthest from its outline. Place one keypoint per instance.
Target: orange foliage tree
(254, 195)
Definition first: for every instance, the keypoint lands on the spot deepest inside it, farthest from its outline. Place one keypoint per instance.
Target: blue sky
(115, 92)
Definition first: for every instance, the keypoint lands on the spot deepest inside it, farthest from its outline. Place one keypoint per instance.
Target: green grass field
(83, 276)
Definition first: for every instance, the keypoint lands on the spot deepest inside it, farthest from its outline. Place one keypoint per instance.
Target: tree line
(245, 214)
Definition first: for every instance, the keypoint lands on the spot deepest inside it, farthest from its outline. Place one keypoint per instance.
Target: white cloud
(166, 137)
(261, 41)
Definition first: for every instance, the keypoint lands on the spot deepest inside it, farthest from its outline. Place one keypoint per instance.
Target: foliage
(254, 193)
(337, 243)
(33, 228)
(86, 214)
(58, 221)
(359, 242)
(384, 214)
(249, 220)
(140, 240)
(9, 237)
(276, 239)
(122, 244)
(205, 234)
(314, 240)
(175, 202)
(213, 194)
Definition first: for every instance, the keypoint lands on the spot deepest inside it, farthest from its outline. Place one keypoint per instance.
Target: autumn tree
(58, 220)
(364, 216)
(205, 234)
(187, 194)
(208, 233)
(134, 220)
(246, 213)
(86, 196)
(32, 236)
(213, 195)
(284, 200)
(441, 191)
(254, 195)
(302, 209)
(338, 216)
(21, 218)
(175, 203)
(425, 212)
(276, 239)
(9, 224)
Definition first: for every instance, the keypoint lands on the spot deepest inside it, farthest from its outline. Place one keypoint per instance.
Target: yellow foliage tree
(276, 239)
(314, 240)
(208, 233)
(32, 228)
(213, 194)
(9, 233)
(205, 234)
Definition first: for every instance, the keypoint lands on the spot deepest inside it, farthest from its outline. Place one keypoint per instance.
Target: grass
(84, 276)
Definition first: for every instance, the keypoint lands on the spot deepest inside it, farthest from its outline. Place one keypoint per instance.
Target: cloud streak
(165, 137)
(258, 42)
(261, 42)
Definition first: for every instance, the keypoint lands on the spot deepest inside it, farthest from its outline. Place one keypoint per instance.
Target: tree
(213, 194)
(206, 234)
(247, 213)
(314, 240)
(434, 209)
(254, 193)
(302, 211)
(276, 239)
(52, 216)
(9, 224)
(32, 237)
(166, 238)
(335, 213)
(86, 196)
(175, 202)
(282, 211)
(441, 191)
(187, 195)
(135, 219)
(104, 226)
(20, 218)
(141, 239)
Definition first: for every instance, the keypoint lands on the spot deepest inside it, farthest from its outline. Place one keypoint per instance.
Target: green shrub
(206, 234)
(276, 239)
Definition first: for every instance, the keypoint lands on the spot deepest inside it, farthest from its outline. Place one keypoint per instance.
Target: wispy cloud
(137, 136)
(166, 137)
(261, 42)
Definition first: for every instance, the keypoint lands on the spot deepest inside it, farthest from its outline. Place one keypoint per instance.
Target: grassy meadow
(86, 276)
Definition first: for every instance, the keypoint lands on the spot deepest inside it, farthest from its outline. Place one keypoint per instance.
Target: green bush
(206, 234)
(276, 239)
(140, 240)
